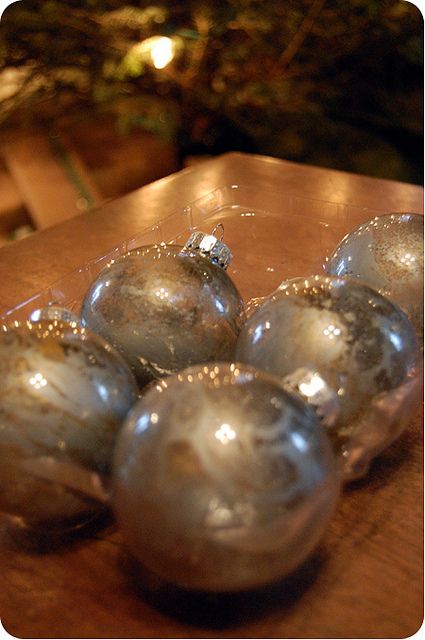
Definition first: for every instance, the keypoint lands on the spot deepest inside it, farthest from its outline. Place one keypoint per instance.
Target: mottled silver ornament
(387, 253)
(64, 394)
(223, 481)
(359, 342)
(166, 307)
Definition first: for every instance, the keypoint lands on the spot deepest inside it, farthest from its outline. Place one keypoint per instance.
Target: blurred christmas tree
(330, 82)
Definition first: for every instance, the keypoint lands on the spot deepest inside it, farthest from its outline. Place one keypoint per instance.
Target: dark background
(337, 83)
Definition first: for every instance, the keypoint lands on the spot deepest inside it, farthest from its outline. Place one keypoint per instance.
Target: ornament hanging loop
(218, 226)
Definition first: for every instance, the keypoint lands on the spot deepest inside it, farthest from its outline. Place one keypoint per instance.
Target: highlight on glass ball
(223, 481)
(358, 341)
(166, 307)
(63, 398)
(387, 252)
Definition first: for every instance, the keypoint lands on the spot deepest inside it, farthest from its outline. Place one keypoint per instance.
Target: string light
(162, 52)
(156, 50)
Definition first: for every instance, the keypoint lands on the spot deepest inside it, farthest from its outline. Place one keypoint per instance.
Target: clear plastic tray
(307, 231)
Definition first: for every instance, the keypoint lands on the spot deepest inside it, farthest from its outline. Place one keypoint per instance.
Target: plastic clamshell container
(309, 230)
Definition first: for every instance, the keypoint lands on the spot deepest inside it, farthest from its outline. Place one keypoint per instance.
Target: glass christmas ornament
(387, 253)
(359, 342)
(64, 394)
(223, 481)
(165, 307)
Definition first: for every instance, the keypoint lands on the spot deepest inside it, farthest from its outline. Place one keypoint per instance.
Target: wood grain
(364, 580)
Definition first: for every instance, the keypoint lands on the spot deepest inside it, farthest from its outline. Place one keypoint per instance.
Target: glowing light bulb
(162, 52)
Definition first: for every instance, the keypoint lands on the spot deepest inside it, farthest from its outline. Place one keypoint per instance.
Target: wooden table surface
(365, 578)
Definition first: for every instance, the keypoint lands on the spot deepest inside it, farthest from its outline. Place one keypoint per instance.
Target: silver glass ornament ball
(387, 252)
(165, 307)
(361, 344)
(223, 481)
(64, 394)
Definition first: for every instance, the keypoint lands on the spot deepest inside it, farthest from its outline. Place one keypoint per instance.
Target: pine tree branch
(203, 28)
(293, 47)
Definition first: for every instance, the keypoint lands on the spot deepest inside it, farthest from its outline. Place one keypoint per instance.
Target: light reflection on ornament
(225, 433)
(162, 293)
(331, 331)
(315, 385)
(38, 381)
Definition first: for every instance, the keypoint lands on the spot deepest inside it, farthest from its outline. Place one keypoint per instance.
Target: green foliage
(267, 67)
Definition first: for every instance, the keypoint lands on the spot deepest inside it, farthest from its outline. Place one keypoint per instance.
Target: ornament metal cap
(209, 246)
(313, 389)
(54, 313)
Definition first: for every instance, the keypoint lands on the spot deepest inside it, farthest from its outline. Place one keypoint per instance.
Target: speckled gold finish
(360, 342)
(63, 396)
(387, 253)
(223, 480)
(164, 308)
